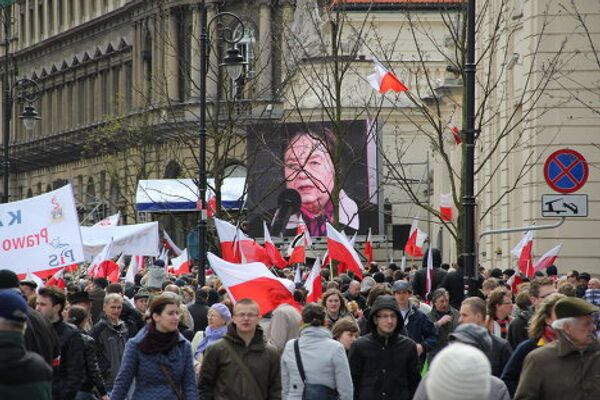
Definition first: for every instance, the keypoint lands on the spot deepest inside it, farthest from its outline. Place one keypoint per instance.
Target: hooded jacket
(222, 379)
(384, 367)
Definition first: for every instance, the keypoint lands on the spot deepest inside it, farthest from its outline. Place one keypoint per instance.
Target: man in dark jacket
(420, 278)
(97, 293)
(132, 317)
(454, 283)
(110, 334)
(444, 318)
(70, 373)
(384, 364)
(199, 310)
(23, 374)
(473, 310)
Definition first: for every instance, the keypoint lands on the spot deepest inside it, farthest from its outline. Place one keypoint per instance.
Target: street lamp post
(468, 201)
(234, 64)
(24, 90)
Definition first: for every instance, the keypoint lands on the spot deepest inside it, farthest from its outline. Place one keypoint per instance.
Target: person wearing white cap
(459, 372)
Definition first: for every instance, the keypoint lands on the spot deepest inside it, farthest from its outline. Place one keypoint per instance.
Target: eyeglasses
(387, 316)
(246, 315)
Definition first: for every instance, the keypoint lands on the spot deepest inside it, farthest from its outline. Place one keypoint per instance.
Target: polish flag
(34, 278)
(523, 250)
(514, 281)
(383, 80)
(302, 229)
(109, 270)
(455, 131)
(416, 239)
(180, 265)
(369, 248)
(104, 255)
(57, 279)
(313, 283)
(237, 247)
(112, 220)
(297, 250)
(429, 279)
(275, 257)
(164, 256)
(446, 211)
(135, 265)
(211, 209)
(547, 259)
(171, 244)
(340, 249)
(253, 281)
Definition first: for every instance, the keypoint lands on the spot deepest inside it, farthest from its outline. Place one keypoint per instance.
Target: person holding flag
(437, 274)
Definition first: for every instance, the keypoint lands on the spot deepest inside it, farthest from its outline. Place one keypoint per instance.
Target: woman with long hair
(159, 358)
(335, 306)
(499, 310)
(540, 333)
(315, 366)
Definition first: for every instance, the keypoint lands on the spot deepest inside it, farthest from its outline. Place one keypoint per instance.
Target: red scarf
(503, 327)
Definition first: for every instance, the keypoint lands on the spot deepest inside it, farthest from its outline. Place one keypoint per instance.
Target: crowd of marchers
(394, 334)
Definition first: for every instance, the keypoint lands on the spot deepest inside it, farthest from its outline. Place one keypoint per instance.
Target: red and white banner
(254, 281)
(369, 248)
(547, 259)
(104, 255)
(313, 283)
(111, 220)
(275, 257)
(383, 80)
(57, 279)
(415, 242)
(524, 250)
(40, 233)
(340, 249)
(446, 210)
(135, 265)
(297, 250)
(236, 247)
(180, 265)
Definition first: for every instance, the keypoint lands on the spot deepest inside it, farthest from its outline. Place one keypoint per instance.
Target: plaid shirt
(593, 296)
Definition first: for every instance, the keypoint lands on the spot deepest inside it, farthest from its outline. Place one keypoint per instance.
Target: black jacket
(517, 330)
(420, 280)
(41, 338)
(70, 374)
(455, 285)
(501, 352)
(92, 370)
(23, 374)
(110, 346)
(199, 311)
(132, 318)
(384, 367)
(513, 368)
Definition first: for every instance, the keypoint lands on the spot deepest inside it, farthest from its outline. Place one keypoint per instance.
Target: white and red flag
(254, 281)
(340, 249)
(313, 283)
(514, 281)
(297, 250)
(429, 278)
(170, 244)
(34, 278)
(455, 131)
(135, 265)
(524, 250)
(180, 265)
(301, 228)
(164, 256)
(57, 279)
(384, 80)
(547, 259)
(275, 257)
(236, 247)
(369, 248)
(111, 220)
(104, 255)
(446, 210)
(416, 240)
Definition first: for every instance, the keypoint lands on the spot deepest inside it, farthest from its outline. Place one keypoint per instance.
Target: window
(246, 47)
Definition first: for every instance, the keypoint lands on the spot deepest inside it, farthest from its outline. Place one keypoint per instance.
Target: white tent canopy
(156, 195)
(138, 239)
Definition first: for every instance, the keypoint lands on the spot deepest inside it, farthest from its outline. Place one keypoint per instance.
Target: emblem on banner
(57, 211)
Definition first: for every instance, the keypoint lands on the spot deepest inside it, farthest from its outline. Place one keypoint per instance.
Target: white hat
(459, 372)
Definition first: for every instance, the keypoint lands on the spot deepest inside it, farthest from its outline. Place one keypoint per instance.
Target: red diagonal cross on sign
(566, 170)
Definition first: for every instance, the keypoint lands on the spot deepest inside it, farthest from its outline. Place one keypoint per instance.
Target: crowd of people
(384, 336)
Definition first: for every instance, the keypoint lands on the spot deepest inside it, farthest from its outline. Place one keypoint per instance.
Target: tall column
(76, 13)
(265, 67)
(195, 53)
(55, 11)
(98, 96)
(171, 52)
(36, 22)
(287, 19)
(137, 65)
(111, 95)
(65, 15)
(46, 20)
(212, 72)
(99, 10)
(86, 12)
(122, 96)
(27, 24)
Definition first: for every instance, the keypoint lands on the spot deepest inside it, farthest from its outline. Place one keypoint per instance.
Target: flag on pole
(514, 281)
(57, 279)
(236, 246)
(369, 248)
(446, 211)
(313, 283)
(135, 265)
(429, 279)
(455, 131)
(112, 220)
(171, 244)
(415, 242)
(547, 259)
(524, 250)
(253, 281)
(104, 255)
(384, 80)
(181, 265)
(275, 257)
(301, 228)
(34, 278)
(341, 250)
(297, 250)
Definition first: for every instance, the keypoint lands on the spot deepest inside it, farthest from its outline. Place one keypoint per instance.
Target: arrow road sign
(566, 205)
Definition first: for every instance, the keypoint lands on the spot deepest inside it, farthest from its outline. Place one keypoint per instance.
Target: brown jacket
(558, 371)
(221, 378)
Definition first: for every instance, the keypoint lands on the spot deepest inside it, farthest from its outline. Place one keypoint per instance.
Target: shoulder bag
(312, 391)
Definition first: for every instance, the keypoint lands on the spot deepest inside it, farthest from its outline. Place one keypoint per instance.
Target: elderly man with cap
(568, 367)
(418, 326)
(140, 301)
(444, 318)
(384, 364)
(28, 288)
(23, 374)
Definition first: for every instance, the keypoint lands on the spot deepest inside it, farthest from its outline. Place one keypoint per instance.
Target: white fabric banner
(139, 239)
(40, 233)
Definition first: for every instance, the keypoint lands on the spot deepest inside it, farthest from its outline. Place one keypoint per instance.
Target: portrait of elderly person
(309, 170)
(568, 367)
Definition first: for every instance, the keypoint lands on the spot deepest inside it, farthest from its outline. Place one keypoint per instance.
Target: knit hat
(12, 306)
(8, 279)
(459, 372)
(573, 307)
(222, 310)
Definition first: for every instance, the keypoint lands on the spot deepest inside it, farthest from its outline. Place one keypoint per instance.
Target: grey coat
(324, 360)
(498, 390)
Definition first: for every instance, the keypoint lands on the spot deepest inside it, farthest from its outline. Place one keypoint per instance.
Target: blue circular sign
(566, 171)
